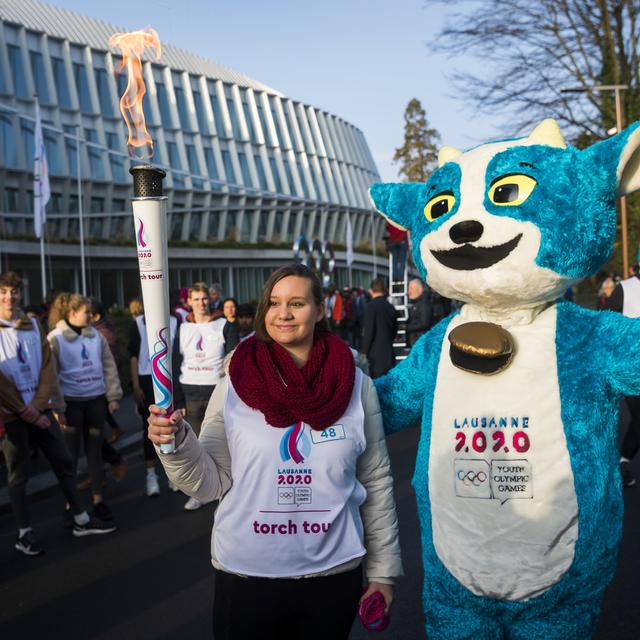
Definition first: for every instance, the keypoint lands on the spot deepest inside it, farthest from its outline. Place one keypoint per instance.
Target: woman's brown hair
(64, 303)
(300, 271)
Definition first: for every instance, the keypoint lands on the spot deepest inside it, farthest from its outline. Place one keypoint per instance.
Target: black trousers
(146, 384)
(85, 421)
(320, 608)
(631, 441)
(197, 398)
(16, 453)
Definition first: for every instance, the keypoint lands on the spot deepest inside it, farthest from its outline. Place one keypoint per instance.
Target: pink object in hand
(371, 612)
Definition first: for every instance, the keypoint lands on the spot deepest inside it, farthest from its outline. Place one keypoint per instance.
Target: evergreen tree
(418, 156)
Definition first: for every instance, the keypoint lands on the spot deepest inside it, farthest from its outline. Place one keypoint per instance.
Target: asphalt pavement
(152, 578)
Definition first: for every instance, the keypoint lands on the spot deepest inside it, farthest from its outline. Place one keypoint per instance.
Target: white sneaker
(153, 488)
(192, 504)
(173, 486)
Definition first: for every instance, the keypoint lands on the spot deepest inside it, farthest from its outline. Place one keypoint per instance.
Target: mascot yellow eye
(510, 191)
(439, 205)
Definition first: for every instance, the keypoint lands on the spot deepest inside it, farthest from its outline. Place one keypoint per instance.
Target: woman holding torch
(292, 445)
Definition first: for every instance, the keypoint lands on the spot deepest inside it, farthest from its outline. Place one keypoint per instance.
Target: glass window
(200, 114)
(163, 103)
(244, 167)
(52, 149)
(117, 162)
(194, 165)
(262, 178)
(118, 205)
(17, 71)
(263, 124)
(116, 227)
(277, 225)
(276, 122)
(194, 225)
(276, 174)
(291, 225)
(287, 170)
(10, 200)
(73, 204)
(232, 229)
(8, 141)
(95, 224)
(217, 114)
(228, 167)
(28, 141)
(39, 77)
(174, 162)
(70, 148)
(214, 222)
(62, 85)
(177, 218)
(303, 132)
(95, 155)
(82, 86)
(104, 95)
(97, 205)
(183, 114)
(210, 159)
(290, 128)
(247, 117)
(245, 230)
(303, 179)
(263, 223)
(235, 125)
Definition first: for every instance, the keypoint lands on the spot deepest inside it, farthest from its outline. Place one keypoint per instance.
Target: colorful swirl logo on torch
(295, 444)
(141, 235)
(22, 358)
(159, 372)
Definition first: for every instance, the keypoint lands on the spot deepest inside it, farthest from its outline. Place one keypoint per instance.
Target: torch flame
(132, 46)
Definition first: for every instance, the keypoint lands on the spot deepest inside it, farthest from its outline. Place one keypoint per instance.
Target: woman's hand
(385, 589)
(113, 406)
(162, 429)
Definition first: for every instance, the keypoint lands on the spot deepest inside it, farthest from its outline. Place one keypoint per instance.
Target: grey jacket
(202, 469)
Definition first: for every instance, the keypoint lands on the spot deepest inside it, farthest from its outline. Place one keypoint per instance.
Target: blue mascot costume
(516, 477)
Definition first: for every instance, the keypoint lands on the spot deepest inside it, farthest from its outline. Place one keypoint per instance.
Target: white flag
(41, 188)
(349, 241)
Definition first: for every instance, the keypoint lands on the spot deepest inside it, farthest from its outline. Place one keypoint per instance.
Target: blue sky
(360, 59)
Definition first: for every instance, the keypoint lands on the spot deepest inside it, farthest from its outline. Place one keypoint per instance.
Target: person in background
(625, 299)
(200, 346)
(215, 297)
(379, 331)
(229, 308)
(89, 382)
(420, 312)
(293, 402)
(245, 315)
(398, 244)
(359, 305)
(136, 308)
(604, 293)
(441, 307)
(177, 304)
(28, 383)
(142, 385)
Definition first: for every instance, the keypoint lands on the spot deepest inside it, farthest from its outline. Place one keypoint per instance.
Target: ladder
(399, 298)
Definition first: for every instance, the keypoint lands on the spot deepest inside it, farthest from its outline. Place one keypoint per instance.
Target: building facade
(249, 170)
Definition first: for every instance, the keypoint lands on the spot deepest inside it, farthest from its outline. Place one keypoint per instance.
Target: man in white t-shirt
(201, 344)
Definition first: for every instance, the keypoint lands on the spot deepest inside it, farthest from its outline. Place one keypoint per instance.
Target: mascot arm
(402, 391)
(619, 340)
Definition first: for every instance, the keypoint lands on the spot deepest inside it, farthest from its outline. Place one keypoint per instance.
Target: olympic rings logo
(317, 255)
(286, 494)
(471, 477)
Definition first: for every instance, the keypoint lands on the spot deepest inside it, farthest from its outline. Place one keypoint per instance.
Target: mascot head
(515, 222)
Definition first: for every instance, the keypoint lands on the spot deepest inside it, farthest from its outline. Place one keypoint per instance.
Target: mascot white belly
(503, 502)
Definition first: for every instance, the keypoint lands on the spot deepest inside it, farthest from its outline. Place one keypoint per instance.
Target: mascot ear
(620, 155)
(398, 202)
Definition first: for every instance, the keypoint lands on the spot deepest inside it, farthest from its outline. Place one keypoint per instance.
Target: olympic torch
(150, 217)
(150, 222)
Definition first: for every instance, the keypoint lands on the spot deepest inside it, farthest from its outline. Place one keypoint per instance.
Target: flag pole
(40, 196)
(373, 243)
(81, 219)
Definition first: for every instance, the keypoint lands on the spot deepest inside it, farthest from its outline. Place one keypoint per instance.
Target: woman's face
(229, 310)
(293, 313)
(81, 317)
(607, 287)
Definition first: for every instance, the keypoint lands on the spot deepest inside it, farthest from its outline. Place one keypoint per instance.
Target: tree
(418, 156)
(530, 51)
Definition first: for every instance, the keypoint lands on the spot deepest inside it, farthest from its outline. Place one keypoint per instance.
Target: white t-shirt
(294, 507)
(202, 349)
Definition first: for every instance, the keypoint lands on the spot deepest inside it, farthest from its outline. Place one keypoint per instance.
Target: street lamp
(617, 89)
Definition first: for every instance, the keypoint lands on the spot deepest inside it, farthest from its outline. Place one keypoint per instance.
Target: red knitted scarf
(267, 379)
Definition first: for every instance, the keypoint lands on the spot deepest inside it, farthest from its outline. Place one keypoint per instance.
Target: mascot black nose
(466, 231)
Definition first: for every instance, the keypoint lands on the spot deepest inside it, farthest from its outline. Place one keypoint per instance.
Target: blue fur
(598, 362)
